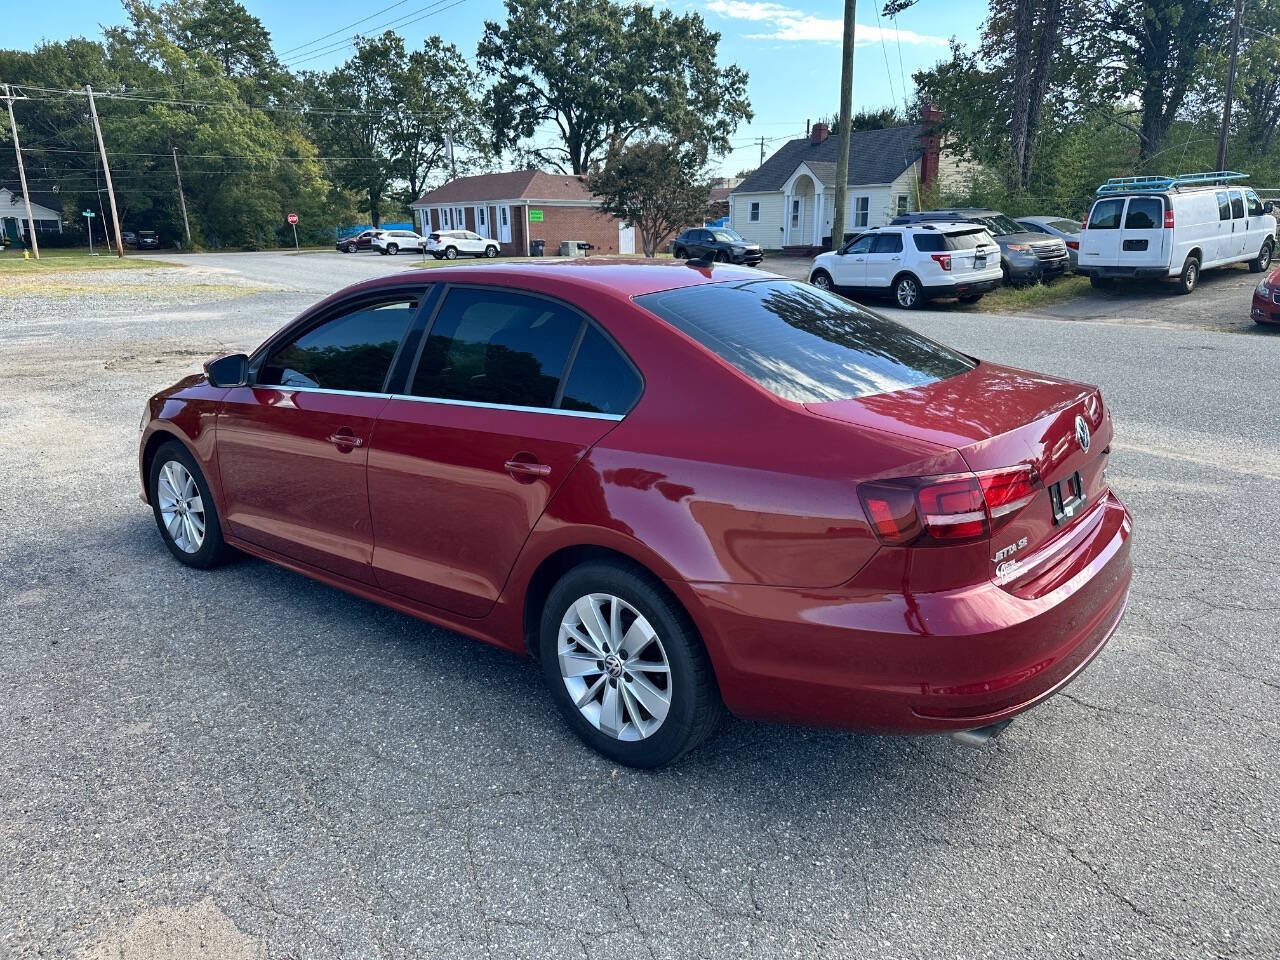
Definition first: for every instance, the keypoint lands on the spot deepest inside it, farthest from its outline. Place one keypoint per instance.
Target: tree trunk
(375, 202)
(1047, 45)
(1023, 28)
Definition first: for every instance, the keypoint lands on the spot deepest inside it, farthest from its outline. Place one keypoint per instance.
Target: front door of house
(504, 224)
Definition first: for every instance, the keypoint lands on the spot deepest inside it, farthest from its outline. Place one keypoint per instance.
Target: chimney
(930, 144)
(819, 133)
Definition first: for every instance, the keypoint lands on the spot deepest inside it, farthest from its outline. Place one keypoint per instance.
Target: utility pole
(846, 114)
(1231, 85)
(22, 173)
(106, 169)
(762, 151)
(181, 199)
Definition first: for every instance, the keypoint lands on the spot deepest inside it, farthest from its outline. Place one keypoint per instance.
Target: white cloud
(791, 25)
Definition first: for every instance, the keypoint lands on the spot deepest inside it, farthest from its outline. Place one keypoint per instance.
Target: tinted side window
(1106, 214)
(887, 243)
(1145, 213)
(1254, 204)
(601, 381)
(1224, 206)
(860, 244)
(350, 352)
(1237, 205)
(494, 346)
(929, 242)
(802, 343)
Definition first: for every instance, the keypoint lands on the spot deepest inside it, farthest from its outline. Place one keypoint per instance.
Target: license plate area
(980, 263)
(1067, 498)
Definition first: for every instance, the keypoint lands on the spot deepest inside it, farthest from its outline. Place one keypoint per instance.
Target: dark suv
(715, 243)
(147, 240)
(1025, 257)
(359, 241)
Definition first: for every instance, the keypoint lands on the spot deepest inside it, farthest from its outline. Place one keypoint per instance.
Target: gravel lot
(243, 763)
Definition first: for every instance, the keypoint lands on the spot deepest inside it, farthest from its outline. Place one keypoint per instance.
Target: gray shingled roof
(875, 156)
(45, 198)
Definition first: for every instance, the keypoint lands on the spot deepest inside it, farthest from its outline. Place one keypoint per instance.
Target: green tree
(598, 75)
(656, 186)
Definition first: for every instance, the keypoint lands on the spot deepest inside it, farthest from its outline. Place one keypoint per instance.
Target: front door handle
(527, 471)
(345, 440)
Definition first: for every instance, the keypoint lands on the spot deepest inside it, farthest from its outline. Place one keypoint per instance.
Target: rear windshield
(1000, 225)
(937, 242)
(1066, 226)
(1106, 214)
(802, 343)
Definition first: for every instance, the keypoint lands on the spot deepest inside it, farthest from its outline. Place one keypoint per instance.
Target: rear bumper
(919, 663)
(1132, 273)
(962, 289)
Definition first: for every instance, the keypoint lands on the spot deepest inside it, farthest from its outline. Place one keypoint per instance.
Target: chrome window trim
(340, 393)
(479, 404)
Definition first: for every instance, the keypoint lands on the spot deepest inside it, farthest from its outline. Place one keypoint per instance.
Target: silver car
(1061, 227)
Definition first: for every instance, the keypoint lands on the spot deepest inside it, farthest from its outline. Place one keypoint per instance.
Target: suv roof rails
(1158, 184)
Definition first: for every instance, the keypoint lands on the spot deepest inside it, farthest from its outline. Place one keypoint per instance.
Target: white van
(1175, 227)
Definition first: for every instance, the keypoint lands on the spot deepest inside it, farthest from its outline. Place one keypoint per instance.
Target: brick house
(519, 206)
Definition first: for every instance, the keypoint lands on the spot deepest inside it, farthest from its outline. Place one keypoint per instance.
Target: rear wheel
(907, 293)
(184, 509)
(1263, 259)
(822, 280)
(1189, 276)
(626, 667)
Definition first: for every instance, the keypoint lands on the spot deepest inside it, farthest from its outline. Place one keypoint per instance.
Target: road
(243, 763)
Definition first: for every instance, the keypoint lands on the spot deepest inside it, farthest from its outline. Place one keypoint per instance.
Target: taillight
(1168, 218)
(934, 511)
(1073, 244)
(941, 259)
(1085, 225)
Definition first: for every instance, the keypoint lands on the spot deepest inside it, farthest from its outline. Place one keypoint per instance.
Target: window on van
(1224, 206)
(1253, 203)
(1237, 206)
(1145, 213)
(1106, 214)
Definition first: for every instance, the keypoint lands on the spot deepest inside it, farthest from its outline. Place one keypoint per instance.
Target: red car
(1266, 299)
(679, 487)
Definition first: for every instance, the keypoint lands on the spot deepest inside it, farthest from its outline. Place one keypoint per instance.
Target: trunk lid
(998, 417)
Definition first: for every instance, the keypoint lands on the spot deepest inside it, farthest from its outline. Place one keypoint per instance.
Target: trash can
(537, 248)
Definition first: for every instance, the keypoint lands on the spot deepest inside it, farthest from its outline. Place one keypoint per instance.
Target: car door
(1257, 226)
(884, 260)
(293, 444)
(486, 428)
(850, 268)
(1239, 226)
(1143, 236)
(1223, 245)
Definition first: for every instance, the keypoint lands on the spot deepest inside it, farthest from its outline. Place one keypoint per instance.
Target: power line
(311, 43)
(394, 24)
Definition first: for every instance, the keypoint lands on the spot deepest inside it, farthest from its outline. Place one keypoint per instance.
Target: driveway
(244, 763)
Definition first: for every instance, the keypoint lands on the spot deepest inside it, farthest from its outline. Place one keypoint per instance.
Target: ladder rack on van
(1161, 184)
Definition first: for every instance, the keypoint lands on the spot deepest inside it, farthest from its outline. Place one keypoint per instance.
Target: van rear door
(1100, 242)
(1142, 237)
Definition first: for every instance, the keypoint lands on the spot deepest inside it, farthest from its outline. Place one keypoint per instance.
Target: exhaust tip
(982, 735)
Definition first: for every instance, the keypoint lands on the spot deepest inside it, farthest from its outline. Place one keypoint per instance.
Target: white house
(46, 210)
(789, 201)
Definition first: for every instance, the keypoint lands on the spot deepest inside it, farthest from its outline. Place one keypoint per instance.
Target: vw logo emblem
(1082, 434)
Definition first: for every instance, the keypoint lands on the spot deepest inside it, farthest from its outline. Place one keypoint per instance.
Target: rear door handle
(521, 469)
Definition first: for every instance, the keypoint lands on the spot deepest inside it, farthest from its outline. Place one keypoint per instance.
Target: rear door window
(1237, 205)
(1224, 206)
(1144, 213)
(804, 344)
(887, 243)
(1106, 214)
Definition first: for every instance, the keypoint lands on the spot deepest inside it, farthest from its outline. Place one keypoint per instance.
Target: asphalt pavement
(244, 763)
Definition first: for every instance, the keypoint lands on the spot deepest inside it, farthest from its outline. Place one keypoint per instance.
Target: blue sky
(790, 49)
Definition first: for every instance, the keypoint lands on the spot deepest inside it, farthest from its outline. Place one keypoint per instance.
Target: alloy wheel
(821, 281)
(181, 506)
(908, 292)
(614, 667)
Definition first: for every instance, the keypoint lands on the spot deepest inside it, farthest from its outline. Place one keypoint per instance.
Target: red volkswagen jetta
(679, 488)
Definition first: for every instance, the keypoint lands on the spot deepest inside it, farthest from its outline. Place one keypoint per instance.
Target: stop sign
(293, 218)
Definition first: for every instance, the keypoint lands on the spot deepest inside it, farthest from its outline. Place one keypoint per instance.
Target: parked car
(913, 263)
(1266, 299)
(1175, 227)
(1025, 257)
(910, 541)
(718, 243)
(393, 241)
(148, 240)
(129, 239)
(1064, 228)
(360, 241)
(448, 244)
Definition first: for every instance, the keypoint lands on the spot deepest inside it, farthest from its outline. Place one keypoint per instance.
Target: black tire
(696, 708)
(451, 253)
(352, 248)
(1099, 283)
(382, 250)
(822, 280)
(722, 257)
(1263, 260)
(214, 549)
(437, 255)
(1190, 276)
(907, 292)
(393, 249)
(490, 251)
(679, 253)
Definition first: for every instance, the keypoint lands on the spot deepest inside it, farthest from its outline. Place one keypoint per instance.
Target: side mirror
(231, 370)
(1268, 207)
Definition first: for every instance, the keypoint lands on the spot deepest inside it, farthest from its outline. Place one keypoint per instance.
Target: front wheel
(1263, 259)
(184, 508)
(679, 253)
(822, 280)
(352, 248)
(626, 666)
(392, 249)
(1189, 276)
(907, 293)
(491, 252)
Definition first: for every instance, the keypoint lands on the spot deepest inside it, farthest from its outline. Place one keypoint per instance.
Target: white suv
(914, 262)
(393, 241)
(449, 243)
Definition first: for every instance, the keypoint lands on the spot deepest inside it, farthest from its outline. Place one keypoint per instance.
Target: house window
(861, 211)
(753, 212)
(795, 213)
(480, 212)
(503, 211)
(901, 207)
